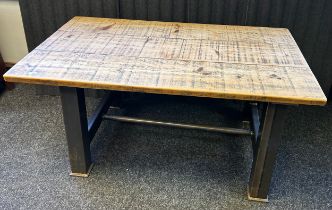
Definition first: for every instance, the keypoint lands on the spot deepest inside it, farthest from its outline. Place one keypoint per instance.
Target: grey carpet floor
(142, 167)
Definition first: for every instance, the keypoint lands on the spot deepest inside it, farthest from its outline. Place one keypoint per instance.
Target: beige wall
(12, 39)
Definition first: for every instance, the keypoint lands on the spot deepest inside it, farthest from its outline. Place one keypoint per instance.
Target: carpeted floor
(144, 167)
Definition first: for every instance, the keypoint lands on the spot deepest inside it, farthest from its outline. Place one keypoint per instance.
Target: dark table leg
(265, 150)
(76, 125)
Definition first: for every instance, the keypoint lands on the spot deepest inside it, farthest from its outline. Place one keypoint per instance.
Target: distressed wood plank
(233, 62)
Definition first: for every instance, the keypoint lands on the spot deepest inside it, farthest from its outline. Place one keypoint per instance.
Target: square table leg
(76, 125)
(265, 150)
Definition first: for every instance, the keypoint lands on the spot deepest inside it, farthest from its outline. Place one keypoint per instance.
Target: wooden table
(262, 66)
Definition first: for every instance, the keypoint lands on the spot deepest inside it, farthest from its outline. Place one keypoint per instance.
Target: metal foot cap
(264, 200)
(81, 174)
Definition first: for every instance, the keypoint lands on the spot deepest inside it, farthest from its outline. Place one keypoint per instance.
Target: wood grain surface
(232, 62)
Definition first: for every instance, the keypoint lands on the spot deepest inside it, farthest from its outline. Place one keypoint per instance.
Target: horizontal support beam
(95, 120)
(226, 130)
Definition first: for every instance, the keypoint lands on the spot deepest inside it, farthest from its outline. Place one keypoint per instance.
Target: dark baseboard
(8, 65)
(2, 86)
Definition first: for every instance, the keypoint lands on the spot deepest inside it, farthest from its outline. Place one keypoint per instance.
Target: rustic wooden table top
(232, 62)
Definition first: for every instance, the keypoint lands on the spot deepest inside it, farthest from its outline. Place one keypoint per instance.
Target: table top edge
(171, 91)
